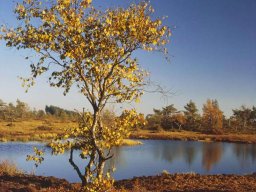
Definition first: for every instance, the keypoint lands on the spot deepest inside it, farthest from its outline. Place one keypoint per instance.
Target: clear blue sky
(213, 55)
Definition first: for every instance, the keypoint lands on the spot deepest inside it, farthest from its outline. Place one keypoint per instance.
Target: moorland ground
(41, 130)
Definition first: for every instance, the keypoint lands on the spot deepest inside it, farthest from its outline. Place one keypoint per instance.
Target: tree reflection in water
(245, 153)
(187, 155)
(118, 160)
(190, 154)
(211, 154)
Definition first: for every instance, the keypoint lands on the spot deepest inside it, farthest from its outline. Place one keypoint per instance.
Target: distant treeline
(212, 120)
(21, 111)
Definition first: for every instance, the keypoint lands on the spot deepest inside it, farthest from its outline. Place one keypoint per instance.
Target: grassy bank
(39, 131)
(31, 130)
(194, 136)
(43, 130)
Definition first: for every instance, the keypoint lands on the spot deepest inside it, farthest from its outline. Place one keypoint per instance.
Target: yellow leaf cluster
(70, 33)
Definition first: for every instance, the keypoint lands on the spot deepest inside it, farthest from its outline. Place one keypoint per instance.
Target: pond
(151, 158)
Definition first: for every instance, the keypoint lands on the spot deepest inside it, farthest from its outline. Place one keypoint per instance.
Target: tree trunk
(83, 179)
(100, 168)
(88, 168)
(97, 156)
(101, 157)
(244, 124)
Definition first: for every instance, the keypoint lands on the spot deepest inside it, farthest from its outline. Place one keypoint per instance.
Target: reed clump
(9, 168)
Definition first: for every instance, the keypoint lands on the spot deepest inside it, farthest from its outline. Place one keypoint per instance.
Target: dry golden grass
(194, 136)
(35, 130)
(9, 168)
(130, 142)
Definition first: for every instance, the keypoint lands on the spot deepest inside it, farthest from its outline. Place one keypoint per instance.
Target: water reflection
(118, 158)
(212, 153)
(199, 157)
(245, 153)
(190, 154)
(148, 159)
(169, 152)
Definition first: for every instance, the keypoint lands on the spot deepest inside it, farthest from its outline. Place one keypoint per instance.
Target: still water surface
(151, 158)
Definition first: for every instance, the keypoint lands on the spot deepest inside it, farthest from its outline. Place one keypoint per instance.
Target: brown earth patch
(189, 183)
(161, 183)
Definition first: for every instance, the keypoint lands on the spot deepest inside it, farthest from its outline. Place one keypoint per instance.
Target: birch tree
(92, 50)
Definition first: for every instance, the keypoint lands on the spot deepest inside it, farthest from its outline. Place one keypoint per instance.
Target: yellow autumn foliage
(92, 50)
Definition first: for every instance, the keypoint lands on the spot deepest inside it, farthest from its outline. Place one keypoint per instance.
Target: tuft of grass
(9, 168)
(191, 173)
(3, 139)
(130, 142)
(165, 172)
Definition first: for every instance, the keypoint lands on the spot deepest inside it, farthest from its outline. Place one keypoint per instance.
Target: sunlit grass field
(44, 130)
(194, 136)
(32, 130)
(38, 130)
